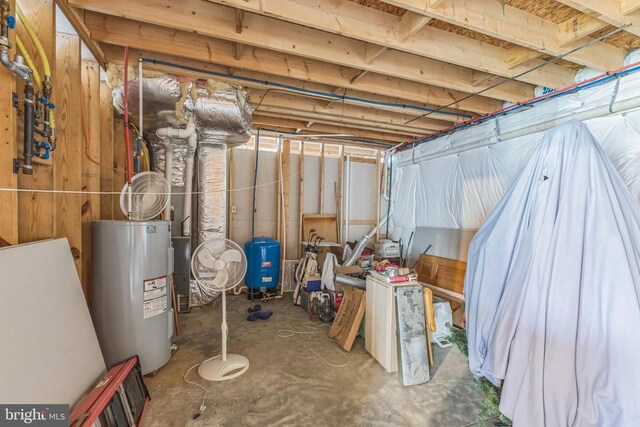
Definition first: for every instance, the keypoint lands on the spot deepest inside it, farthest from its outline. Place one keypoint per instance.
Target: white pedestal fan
(220, 265)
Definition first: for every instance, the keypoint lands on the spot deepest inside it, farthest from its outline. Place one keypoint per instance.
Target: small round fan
(149, 195)
(220, 266)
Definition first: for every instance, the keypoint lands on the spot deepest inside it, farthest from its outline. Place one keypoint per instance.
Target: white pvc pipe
(165, 135)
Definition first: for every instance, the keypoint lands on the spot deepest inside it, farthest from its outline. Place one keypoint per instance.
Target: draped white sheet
(553, 284)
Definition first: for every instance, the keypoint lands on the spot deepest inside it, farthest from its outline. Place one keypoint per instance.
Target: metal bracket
(16, 101)
(16, 166)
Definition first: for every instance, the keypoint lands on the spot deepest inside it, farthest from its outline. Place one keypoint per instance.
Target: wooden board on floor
(349, 317)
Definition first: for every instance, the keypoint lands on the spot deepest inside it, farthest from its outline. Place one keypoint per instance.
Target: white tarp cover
(433, 187)
(552, 288)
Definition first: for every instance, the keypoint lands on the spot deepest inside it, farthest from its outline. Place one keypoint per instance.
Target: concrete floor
(286, 384)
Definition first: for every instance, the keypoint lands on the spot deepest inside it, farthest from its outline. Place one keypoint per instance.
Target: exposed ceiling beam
(411, 23)
(377, 117)
(259, 79)
(518, 55)
(373, 52)
(496, 19)
(293, 124)
(217, 21)
(186, 45)
(359, 22)
(629, 6)
(577, 28)
(287, 112)
(607, 10)
(78, 24)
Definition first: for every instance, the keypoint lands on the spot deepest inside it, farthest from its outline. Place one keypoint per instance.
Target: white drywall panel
(311, 185)
(331, 165)
(50, 352)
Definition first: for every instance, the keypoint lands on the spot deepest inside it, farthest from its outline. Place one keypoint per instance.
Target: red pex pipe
(127, 136)
(528, 101)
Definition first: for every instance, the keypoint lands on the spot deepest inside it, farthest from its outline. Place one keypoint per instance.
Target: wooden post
(119, 163)
(300, 197)
(339, 208)
(106, 152)
(278, 161)
(67, 159)
(36, 210)
(8, 199)
(377, 192)
(286, 189)
(321, 192)
(90, 74)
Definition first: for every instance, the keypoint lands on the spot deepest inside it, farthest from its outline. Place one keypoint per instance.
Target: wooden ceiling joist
(217, 21)
(380, 118)
(609, 11)
(190, 46)
(373, 26)
(504, 22)
(279, 123)
(577, 28)
(114, 55)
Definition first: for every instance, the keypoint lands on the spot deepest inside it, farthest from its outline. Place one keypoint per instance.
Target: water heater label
(155, 296)
(266, 264)
(266, 280)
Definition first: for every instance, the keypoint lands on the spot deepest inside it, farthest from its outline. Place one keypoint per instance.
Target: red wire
(126, 112)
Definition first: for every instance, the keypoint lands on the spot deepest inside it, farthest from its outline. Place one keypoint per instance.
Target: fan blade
(221, 279)
(231, 255)
(206, 258)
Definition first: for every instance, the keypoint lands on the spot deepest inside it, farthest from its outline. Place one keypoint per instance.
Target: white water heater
(131, 292)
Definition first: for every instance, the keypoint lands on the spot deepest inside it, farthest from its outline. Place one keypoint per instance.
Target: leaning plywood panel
(552, 286)
(50, 353)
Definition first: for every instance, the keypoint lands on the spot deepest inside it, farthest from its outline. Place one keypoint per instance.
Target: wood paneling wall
(85, 158)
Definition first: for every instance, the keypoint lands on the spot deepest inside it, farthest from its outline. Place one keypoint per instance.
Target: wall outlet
(234, 209)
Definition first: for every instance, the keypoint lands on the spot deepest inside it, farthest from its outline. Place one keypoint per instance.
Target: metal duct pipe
(362, 243)
(355, 282)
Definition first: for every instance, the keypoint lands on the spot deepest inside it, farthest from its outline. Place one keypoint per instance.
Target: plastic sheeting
(552, 290)
(456, 181)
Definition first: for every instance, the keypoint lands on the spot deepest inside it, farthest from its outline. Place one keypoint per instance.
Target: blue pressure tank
(263, 263)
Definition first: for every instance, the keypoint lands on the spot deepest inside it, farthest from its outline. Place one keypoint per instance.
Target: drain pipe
(24, 73)
(166, 135)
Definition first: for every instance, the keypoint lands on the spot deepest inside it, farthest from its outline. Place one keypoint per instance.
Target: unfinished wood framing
(68, 206)
(32, 223)
(90, 200)
(300, 195)
(321, 180)
(106, 152)
(8, 152)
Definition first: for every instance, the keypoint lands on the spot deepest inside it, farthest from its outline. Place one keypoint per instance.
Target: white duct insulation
(455, 181)
(212, 208)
